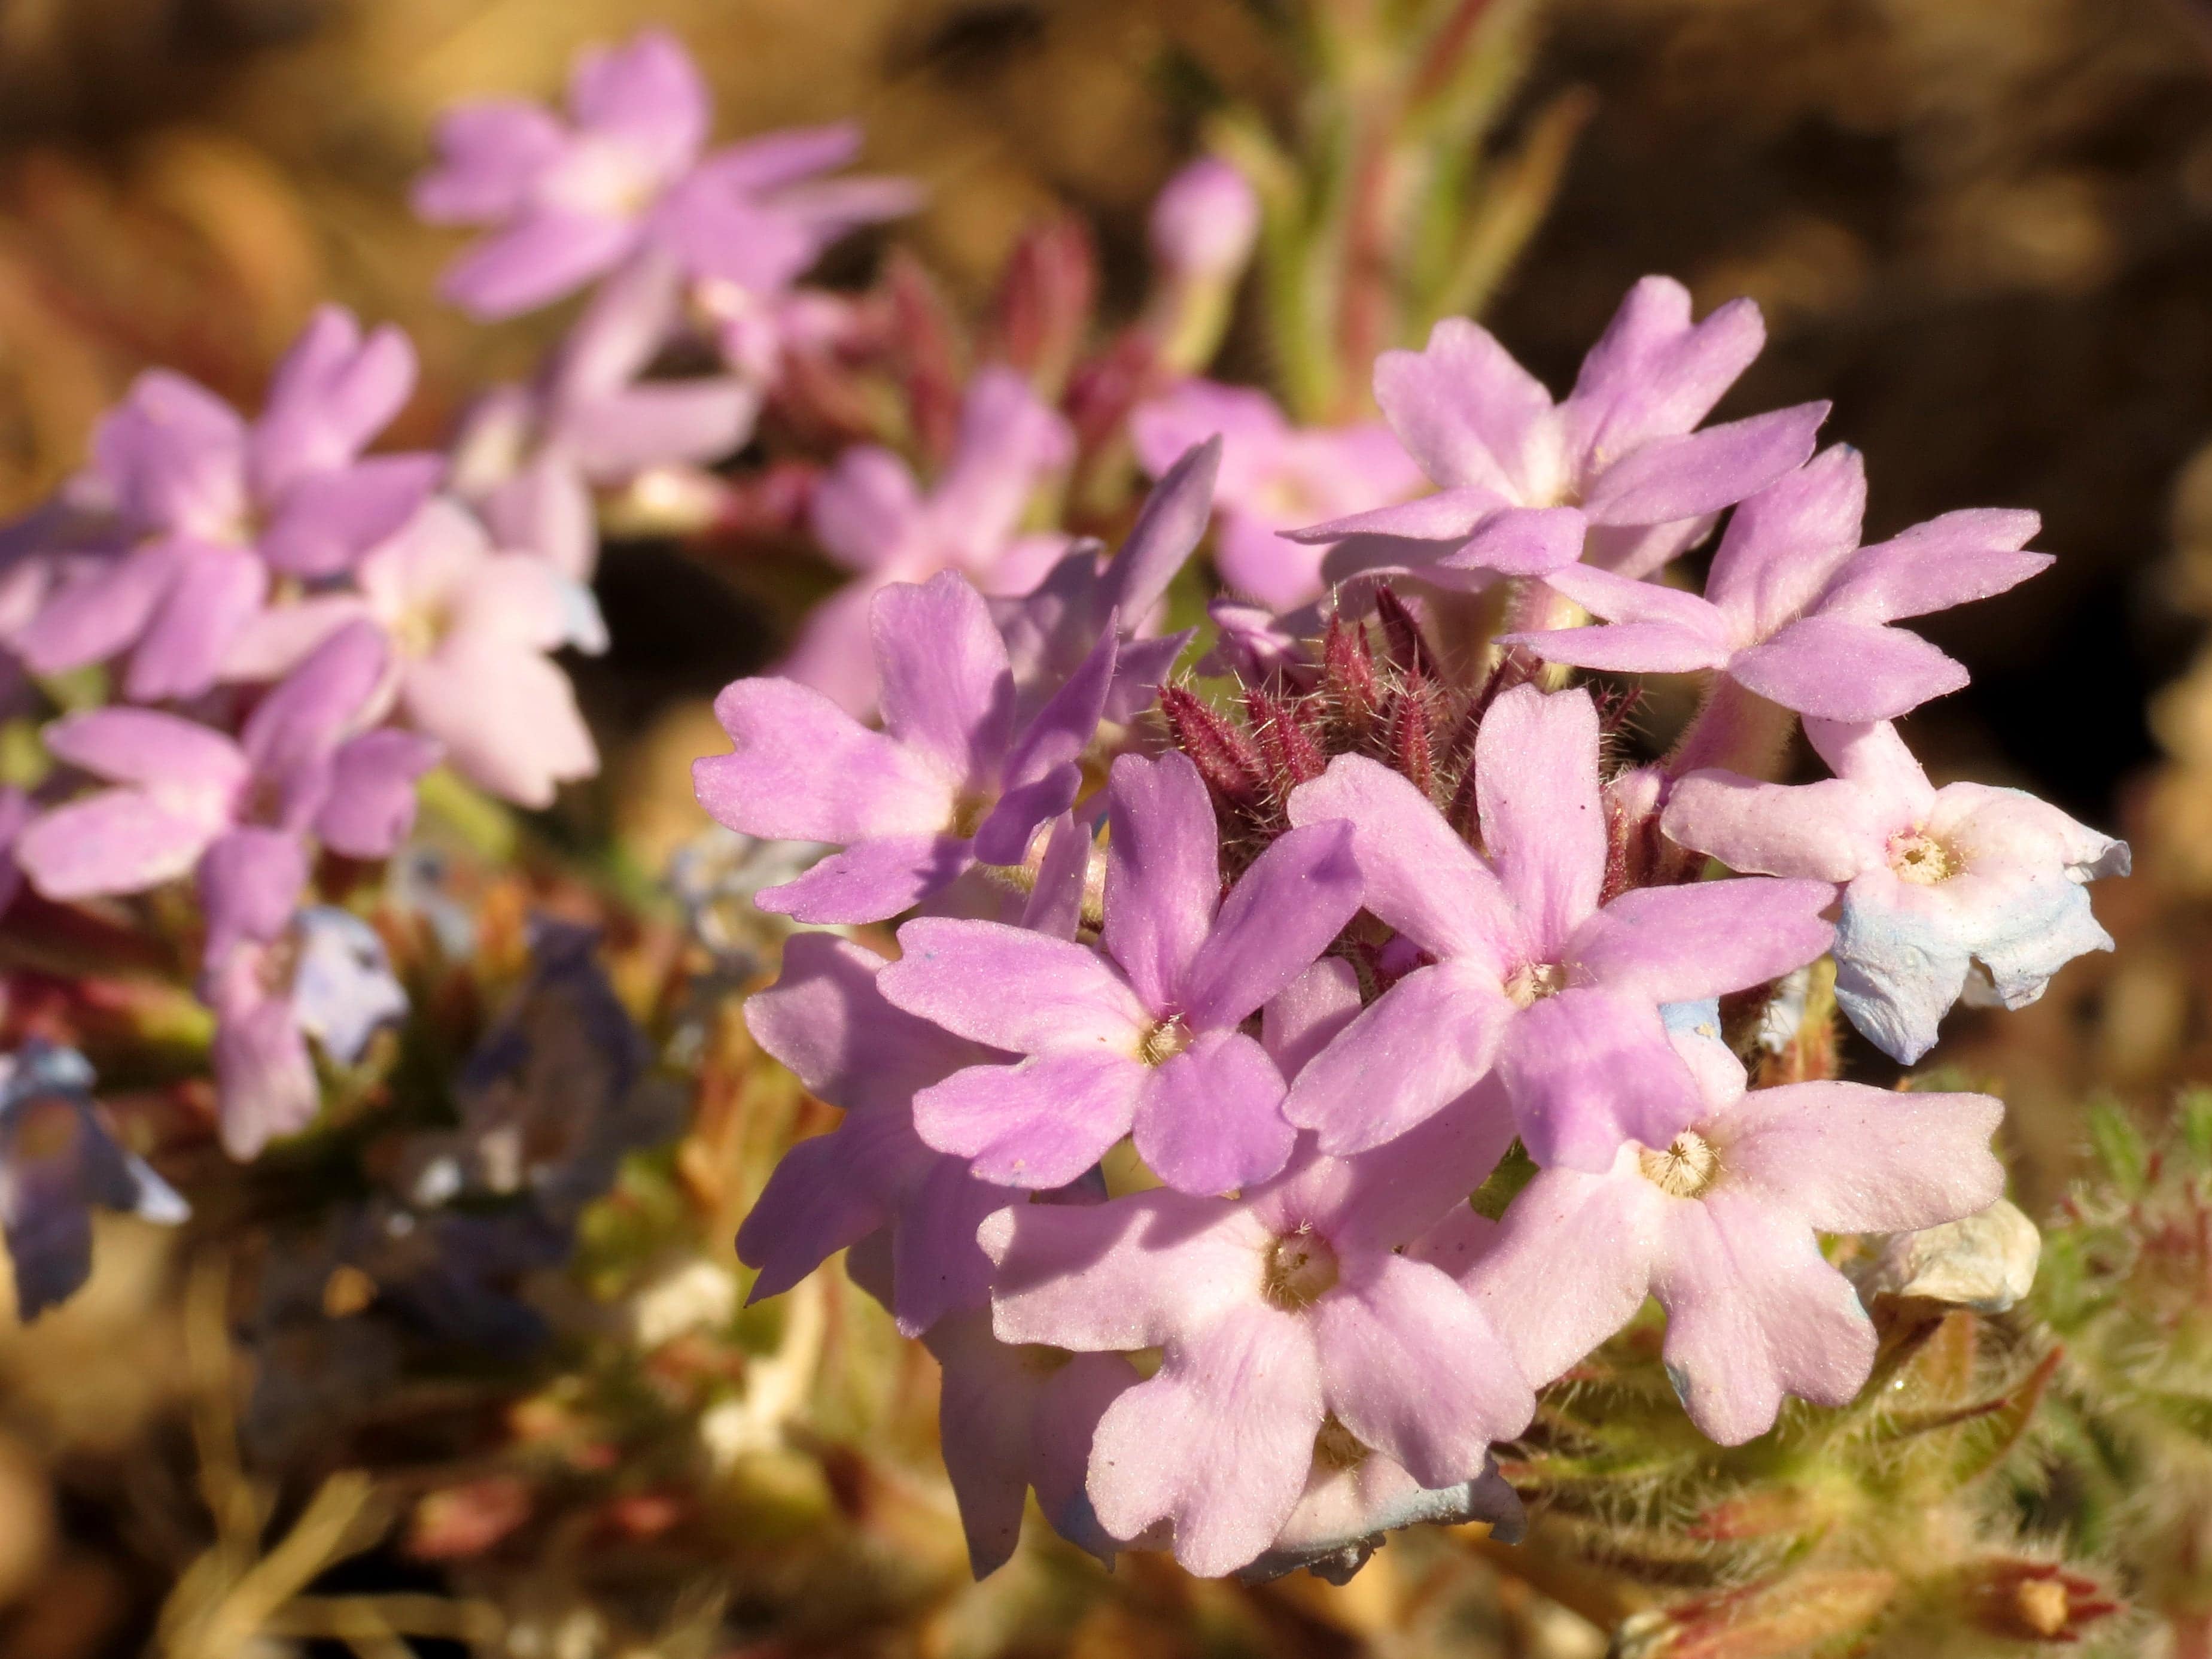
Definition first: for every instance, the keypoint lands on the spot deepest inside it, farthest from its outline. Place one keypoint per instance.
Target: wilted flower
(57, 1159)
(1946, 891)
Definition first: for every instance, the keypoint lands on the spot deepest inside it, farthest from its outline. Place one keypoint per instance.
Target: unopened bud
(2036, 1601)
(1205, 222)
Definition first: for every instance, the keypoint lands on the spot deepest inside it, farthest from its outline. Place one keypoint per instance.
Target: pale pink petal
(1073, 1399)
(1134, 1272)
(1446, 515)
(804, 770)
(1163, 873)
(1522, 541)
(508, 720)
(825, 1018)
(538, 258)
(327, 519)
(937, 1267)
(1754, 1313)
(490, 150)
(1851, 1159)
(216, 591)
(1588, 1071)
(1947, 561)
(1054, 906)
(647, 92)
(1609, 1226)
(1626, 648)
(1306, 1014)
(1418, 877)
(871, 880)
(1412, 1367)
(1543, 825)
(1829, 831)
(985, 1411)
(1039, 1124)
(372, 799)
(1652, 374)
(116, 841)
(827, 1192)
(1683, 944)
(1015, 990)
(1211, 1119)
(96, 614)
(864, 508)
(1623, 599)
(144, 746)
(1784, 543)
(1466, 412)
(1429, 1040)
(1700, 472)
(1875, 759)
(942, 677)
(1219, 1442)
(1280, 916)
(251, 881)
(1842, 670)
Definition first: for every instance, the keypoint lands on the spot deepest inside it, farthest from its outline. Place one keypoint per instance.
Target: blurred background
(1984, 227)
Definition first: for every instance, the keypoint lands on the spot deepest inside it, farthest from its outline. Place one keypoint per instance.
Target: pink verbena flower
(949, 780)
(1274, 477)
(1288, 1321)
(1960, 890)
(321, 973)
(183, 795)
(571, 201)
(471, 628)
(529, 458)
(1719, 1223)
(1051, 628)
(871, 517)
(204, 506)
(1528, 972)
(1521, 478)
(1795, 610)
(1141, 1034)
(826, 1020)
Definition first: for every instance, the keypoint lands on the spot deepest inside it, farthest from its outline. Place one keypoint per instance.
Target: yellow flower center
(1301, 1268)
(1922, 859)
(1685, 1169)
(1533, 981)
(1164, 1041)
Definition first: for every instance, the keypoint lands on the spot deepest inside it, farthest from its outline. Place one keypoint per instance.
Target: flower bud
(1205, 222)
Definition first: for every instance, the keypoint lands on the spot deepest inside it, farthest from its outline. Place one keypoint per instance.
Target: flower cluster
(290, 632)
(1271, 1091)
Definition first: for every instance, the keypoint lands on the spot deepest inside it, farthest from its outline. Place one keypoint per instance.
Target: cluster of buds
(1274, 1092)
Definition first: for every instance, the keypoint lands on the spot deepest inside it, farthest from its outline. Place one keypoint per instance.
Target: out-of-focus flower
(1719, 1221)
(1051, 629)
(1795, 610)
(472, 628)
(323, 974)
(57, 1159)
(1521, 478)
(529, 458)
(571, 201)
(871, 517)
(1205, 222)
(184, 795)
(198, 507)
(1287, 1316)
(949, 781)
(1963, 890)
(1274, 477)
(827, 1021)
(1530, 974)
(554, 1096)
(1142, 1033)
